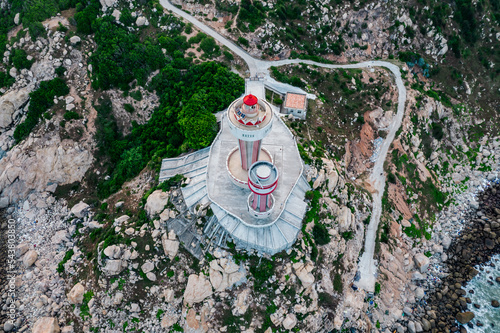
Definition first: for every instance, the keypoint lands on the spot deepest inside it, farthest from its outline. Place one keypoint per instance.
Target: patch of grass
(84, 308)
(159, 313)
(67, 256)
(377, 288)
(348, 235)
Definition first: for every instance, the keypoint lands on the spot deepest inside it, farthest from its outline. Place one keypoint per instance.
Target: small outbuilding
(295, 104)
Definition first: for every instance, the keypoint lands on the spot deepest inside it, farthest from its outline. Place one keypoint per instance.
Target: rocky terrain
(445, 303)
(90, 264)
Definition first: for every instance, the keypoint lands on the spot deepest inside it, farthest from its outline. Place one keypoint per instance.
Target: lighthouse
(250, 121)
(262, 181)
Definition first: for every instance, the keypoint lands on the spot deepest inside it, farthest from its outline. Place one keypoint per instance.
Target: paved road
(366, 266)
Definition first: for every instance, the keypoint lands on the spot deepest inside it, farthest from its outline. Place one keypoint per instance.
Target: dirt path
(257, 67)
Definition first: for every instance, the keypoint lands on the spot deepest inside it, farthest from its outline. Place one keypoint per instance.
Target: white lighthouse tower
(262, 181)
(250, 121)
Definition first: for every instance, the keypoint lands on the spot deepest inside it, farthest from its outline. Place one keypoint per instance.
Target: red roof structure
(250, 100)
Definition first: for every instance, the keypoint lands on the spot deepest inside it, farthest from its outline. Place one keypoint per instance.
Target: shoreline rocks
(478, 241)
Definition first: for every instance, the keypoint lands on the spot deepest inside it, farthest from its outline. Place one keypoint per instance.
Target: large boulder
(141, 20)
(422, 262)
(303, 272)
(169, 319)
(114, 267)
(80, 209)
(170, 246)
(319, 180)
(345, 219)
(59, 237)
(107, 3)
(465, 317)
(156, 202)
(22, 249)
(75, 296)
(147, 267)
(290, 321)
(46, 325)
(29, 258)
(10, 103)
(333, 178)
(198, 288)
(216, 279)
(75, 40)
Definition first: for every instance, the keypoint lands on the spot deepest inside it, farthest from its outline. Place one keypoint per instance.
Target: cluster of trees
(183, 121)
(6, 80)
(252, 15)
(32, 13)
(122, 57)
(19, 59)
(293, 80)
(40, 100)
(189, 95)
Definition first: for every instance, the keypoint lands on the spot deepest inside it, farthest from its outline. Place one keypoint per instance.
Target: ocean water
(484, 293)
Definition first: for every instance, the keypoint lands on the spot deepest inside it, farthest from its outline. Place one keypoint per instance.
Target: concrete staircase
(194, 167)
(188, 165)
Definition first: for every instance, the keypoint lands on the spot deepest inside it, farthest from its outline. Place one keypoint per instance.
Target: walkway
(366, 266)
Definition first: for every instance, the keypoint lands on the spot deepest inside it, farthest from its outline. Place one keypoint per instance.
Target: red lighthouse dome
(250, 100)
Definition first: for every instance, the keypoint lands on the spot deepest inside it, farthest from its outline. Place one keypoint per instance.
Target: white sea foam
(484, 293)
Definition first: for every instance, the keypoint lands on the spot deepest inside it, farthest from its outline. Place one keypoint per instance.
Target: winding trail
(257, 67)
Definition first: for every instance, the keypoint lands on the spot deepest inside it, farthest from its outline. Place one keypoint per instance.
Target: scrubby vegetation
(41, 100)
(189, 95)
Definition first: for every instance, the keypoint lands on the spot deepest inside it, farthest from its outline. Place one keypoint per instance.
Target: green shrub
(67, 257)
(178, 328)
(135, 60)
(209, 46)
(229, 56)
(348, 235)
(61, 28)
(129, 108)
(243, 41)
(86, 16)
(6, 80)
(391, 178)
(36, 29)
(60, 71)
(41, 100)
(320, 234)
(262, 272)
(19, 59)
(137, 95)
(70, 115)
(437, 131)
(84, 308)
(377, 288)
(159, 313)
(126, 17)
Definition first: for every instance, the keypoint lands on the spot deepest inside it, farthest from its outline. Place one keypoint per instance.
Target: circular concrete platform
(237, 174)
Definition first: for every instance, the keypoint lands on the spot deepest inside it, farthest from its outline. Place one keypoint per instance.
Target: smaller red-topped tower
(262, 181)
